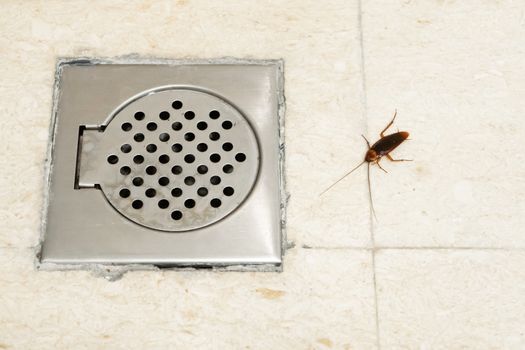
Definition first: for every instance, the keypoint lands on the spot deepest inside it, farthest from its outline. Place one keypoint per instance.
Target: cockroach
(378, 150)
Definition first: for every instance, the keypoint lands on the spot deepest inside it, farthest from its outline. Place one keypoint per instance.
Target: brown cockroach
(382, 147)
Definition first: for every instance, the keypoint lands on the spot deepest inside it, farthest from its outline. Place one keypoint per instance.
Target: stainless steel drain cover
(168, 163)
(173, 159)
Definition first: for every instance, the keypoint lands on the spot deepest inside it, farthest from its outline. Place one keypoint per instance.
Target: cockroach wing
(388, 143)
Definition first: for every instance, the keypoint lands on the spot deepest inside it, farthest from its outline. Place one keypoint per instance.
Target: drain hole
(164, 137)
(215, 202)
(190, 180)
(151, 170)
(202, 169)
(164, 181)
(214, 114)
(227, 146)
(215, 158)
(138, 181)
(150, 193)
(151, 148)
(189, 115)
(189, 203)
(228, 168)
(139, 115)
(202, 125)
(189, 158)
(138, 159)
(124, 193)
(202, 191)
(139, 137)
(202, 147)
(189, 136)
(137, 204)
(215, 180)
(163, 204)
(176, 215)
(125, 170)
(176, 105)
(126, 126)
(214, 136)
(228, 191)
(164, 159)
(151, 126)
(176, 170)
(112, 159)
(176, 126)
(227, 125)
(176, 148)
(125, 148)
(176, 192)
(164, 115)
(240, 157)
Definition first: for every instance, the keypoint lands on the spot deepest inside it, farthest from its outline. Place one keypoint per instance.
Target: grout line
(454, 248)
(365, 117)
(362, 62)
(378, 248)
(374, 280)
(336, 248)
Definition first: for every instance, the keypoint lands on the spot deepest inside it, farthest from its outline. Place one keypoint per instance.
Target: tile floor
(441, 268)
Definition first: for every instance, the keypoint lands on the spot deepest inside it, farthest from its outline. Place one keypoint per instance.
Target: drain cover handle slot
(86, 174)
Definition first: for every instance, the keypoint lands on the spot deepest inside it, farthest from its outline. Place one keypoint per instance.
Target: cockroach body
(381, 148)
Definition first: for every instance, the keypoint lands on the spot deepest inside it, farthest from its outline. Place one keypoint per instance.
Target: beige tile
(24, 136)
(445, 299)
(453, 71)
(323, 299)
(324, 108)
(322, 91)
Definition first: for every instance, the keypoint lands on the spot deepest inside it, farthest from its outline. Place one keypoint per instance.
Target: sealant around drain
(172, 159)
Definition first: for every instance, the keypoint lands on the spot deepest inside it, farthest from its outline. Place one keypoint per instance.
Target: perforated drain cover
(174, 163)
(173, 159)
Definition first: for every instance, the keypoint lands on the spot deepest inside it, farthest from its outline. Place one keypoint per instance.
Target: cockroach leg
(380, 167)
(397, 160)
(389, 125)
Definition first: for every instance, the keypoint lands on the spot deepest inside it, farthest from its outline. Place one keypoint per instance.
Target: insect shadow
(378, 150)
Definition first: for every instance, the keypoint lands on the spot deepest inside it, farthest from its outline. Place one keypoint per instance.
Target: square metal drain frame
(209, 190)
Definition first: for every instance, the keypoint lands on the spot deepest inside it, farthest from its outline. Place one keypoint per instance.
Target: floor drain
(176, 159)
(170, 164)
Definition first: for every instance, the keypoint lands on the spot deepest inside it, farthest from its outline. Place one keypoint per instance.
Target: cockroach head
(371, 156)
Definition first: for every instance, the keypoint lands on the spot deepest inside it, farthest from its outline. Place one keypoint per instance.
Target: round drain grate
(178, 159)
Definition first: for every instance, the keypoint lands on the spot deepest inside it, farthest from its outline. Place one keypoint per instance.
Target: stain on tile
(325, 341)
(189, 315)
(270, 293)
(421, 170)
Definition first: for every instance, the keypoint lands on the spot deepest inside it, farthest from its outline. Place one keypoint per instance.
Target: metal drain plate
(168, 163)
(172, 159)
